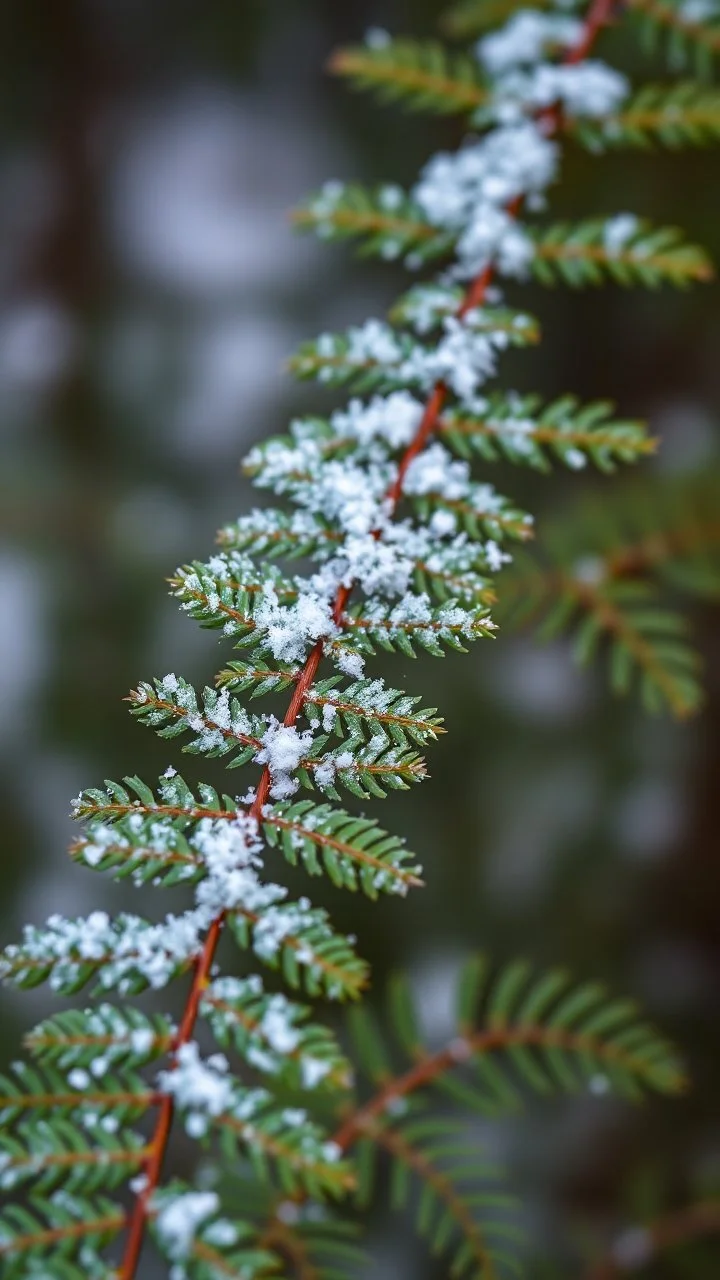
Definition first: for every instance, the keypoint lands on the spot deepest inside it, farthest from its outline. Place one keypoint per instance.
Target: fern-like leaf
(385, 220)
(522, 430)
(469, 17)
(670, 115)
(65, 1232)
(422, 75)
(588, 253)
(273, 1035)
(687, 38)
(461, 1207)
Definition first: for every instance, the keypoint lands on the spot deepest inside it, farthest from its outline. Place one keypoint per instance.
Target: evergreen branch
(349, 493)
(670, 530)
(678, 115)
(597, 573)
(644, 638)
(425, 307)
(275, 1138)
(279, 533)
(520, 430)
(551, 1035)
(469, 17)
(481, 514)
(104, 1034)
(298, 941)
(385, 219)
(585, 253)
(316, 1250)
(378, 357)
(688, 36)
(195, 1238)
(220, 724)
(54, 1231)
(212, 1101)
(638, 1247)
(420, 74)
(388, 245)
(273, 1035)
(449, 625)
(454, 1199)
(369, 706)
(49, 1092)
(647, 636)
(257, 678)
(59, 1152)
(354, 851)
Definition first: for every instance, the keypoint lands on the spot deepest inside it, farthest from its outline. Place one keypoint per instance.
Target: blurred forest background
(151, 288)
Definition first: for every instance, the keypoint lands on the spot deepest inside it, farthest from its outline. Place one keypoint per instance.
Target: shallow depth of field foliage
(241, 1074)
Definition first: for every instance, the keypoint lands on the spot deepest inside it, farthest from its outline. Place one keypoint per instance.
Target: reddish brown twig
(644, 1243)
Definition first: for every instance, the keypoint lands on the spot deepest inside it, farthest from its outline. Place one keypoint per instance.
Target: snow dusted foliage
(402, 542)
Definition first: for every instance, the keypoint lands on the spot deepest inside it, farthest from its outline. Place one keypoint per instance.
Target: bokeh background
(151, 288)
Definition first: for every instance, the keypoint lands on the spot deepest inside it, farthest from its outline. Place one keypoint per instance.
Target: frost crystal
(179, 1218)
(589, 89)
(468, 192)
(618, 231)
(283, 749)
(525, 39)
(393, 419)
(292, 629)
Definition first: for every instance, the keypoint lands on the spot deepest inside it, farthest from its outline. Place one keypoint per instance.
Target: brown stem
(495, 1039)
(599, 15)
(672, 1229)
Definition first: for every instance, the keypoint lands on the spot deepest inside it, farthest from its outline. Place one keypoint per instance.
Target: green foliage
(422, 75)
(220, 1247)
(608, 572)
(683, 37)
(461, 1206)
(353, 851)
(404, 545)
(387, 222)
(582, 254)
(333, 360)
(470, 17)
(519, 1032)
(48, 1232)
(521, 430)
(685, 114)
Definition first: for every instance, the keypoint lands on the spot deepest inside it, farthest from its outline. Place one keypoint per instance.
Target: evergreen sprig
(686, 114)
(401, 547)
(422, 75)
(587, 254)
(609, 574)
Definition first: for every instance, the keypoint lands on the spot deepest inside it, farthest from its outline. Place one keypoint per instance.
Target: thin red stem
(599, 16)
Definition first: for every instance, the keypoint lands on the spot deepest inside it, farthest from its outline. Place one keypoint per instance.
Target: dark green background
(151, 288)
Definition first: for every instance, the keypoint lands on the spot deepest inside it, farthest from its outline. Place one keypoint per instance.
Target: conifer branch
(674, 116)
(419, 1147)
(638, 1247)
(686, 30)
(599, 15)
(469, 17)
(404, 544)
(585, 253)
(423, 76)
